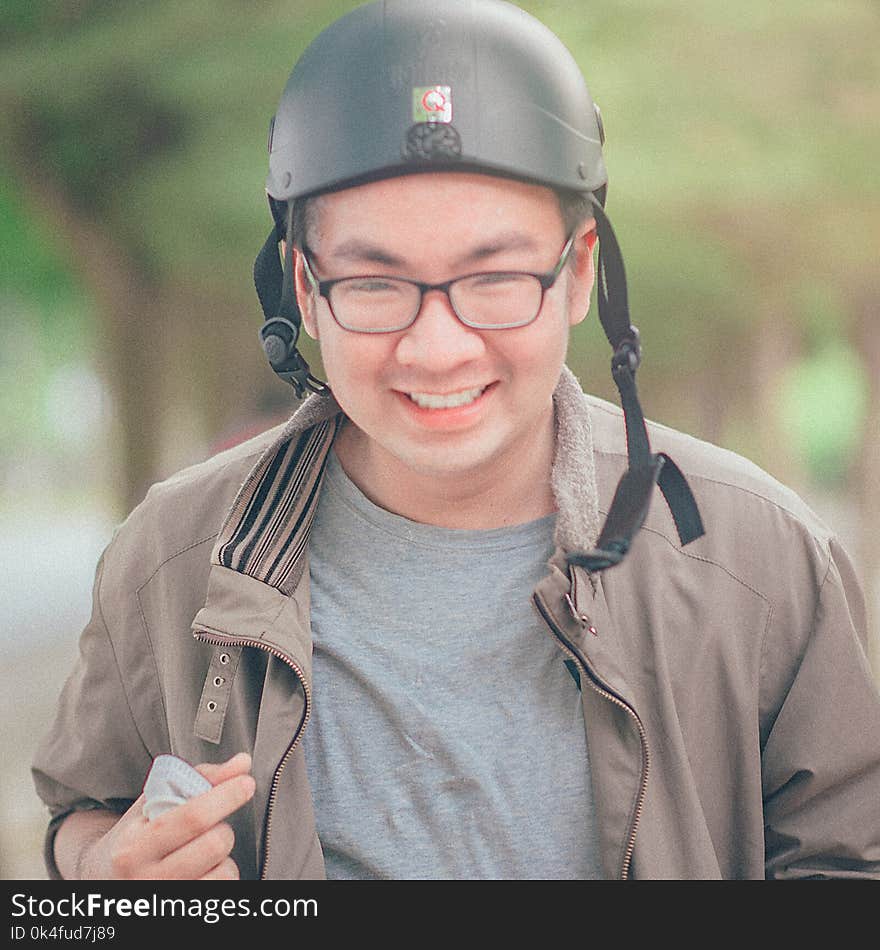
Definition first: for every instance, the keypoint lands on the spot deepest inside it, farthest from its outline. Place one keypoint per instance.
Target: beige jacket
(732, 719)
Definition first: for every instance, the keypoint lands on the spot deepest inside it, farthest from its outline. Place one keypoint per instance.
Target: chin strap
(629, 507)
(280, 331)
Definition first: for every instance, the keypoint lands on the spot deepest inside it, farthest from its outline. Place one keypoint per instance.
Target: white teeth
(434, 401)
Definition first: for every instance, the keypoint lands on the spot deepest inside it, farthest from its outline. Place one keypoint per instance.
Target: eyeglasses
(493, 300)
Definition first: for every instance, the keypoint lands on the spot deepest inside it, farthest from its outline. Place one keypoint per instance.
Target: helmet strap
(632, 497)
(280, 330)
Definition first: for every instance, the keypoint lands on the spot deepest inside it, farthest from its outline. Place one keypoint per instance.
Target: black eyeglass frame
(546, 280)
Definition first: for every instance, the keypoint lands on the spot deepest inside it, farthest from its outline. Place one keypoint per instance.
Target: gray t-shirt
(447, 737)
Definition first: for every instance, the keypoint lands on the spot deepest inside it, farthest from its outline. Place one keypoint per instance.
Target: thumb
(239, 764)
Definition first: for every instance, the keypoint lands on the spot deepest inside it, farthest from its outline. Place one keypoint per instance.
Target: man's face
(395, 387)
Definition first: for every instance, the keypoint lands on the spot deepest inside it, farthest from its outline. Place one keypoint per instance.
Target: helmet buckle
(628, 353)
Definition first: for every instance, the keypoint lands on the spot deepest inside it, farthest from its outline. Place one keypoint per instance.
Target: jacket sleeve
(93, 755)
(821, 761)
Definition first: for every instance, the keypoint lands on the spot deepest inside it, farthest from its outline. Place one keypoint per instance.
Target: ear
(305, 294)
(306, 298)
(582, 272)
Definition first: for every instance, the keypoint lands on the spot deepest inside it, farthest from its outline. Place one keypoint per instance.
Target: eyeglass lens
(491, 300)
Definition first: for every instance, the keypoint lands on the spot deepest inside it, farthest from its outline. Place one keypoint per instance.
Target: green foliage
(824, 405)
(46, 320)
(26, 19)
(154, 116)
(28, 268)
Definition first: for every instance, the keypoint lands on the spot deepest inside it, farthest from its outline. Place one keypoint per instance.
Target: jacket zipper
(604, 691)
(276, 780)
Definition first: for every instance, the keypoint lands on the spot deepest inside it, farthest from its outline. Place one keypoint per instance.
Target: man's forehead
(492, 214)
(422, 185)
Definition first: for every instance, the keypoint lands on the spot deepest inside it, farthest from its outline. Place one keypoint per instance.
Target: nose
(438, 340)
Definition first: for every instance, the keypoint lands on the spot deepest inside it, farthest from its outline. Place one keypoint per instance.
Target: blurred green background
(743, 143)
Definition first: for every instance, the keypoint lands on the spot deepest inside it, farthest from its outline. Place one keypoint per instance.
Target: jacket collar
(265, 533)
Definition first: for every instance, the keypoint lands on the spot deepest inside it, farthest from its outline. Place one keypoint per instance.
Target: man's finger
(182, 824)
(219, 772)
(197, 857)
(226, 871)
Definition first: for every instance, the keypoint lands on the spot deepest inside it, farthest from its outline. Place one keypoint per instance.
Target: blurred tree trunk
(218, 385)
(131, 356)
(722, 385)
(775, 345)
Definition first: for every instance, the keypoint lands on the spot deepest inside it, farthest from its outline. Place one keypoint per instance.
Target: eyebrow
(357, 250)
(507, 241)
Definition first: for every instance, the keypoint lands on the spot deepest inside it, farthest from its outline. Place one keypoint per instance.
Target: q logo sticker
(434, 101)
(432, 104)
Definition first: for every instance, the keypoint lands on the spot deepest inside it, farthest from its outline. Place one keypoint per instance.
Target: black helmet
(402, 86)
(414, 82)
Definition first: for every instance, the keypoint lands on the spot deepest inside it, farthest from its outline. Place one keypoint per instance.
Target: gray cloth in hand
(171, 781)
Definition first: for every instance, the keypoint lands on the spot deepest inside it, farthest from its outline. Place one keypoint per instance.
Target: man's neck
(505, 491)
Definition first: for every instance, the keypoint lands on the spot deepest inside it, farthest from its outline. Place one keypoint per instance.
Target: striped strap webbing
(266, 531)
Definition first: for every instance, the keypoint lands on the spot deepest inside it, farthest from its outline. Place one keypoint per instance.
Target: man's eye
(498, 281)
(371, 286)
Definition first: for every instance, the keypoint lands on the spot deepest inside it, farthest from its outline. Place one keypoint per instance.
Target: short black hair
(576, 207)
(300, 221)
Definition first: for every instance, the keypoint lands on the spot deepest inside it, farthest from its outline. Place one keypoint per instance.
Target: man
(431, 627)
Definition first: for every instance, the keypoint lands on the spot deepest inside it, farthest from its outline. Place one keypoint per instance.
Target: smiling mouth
(447, 401)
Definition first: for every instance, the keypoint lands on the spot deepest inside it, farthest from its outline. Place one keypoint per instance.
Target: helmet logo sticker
(432, 104)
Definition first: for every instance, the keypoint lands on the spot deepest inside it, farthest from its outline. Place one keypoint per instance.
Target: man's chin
(458, 458)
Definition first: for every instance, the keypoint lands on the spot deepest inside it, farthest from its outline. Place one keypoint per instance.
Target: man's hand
(189, 842)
